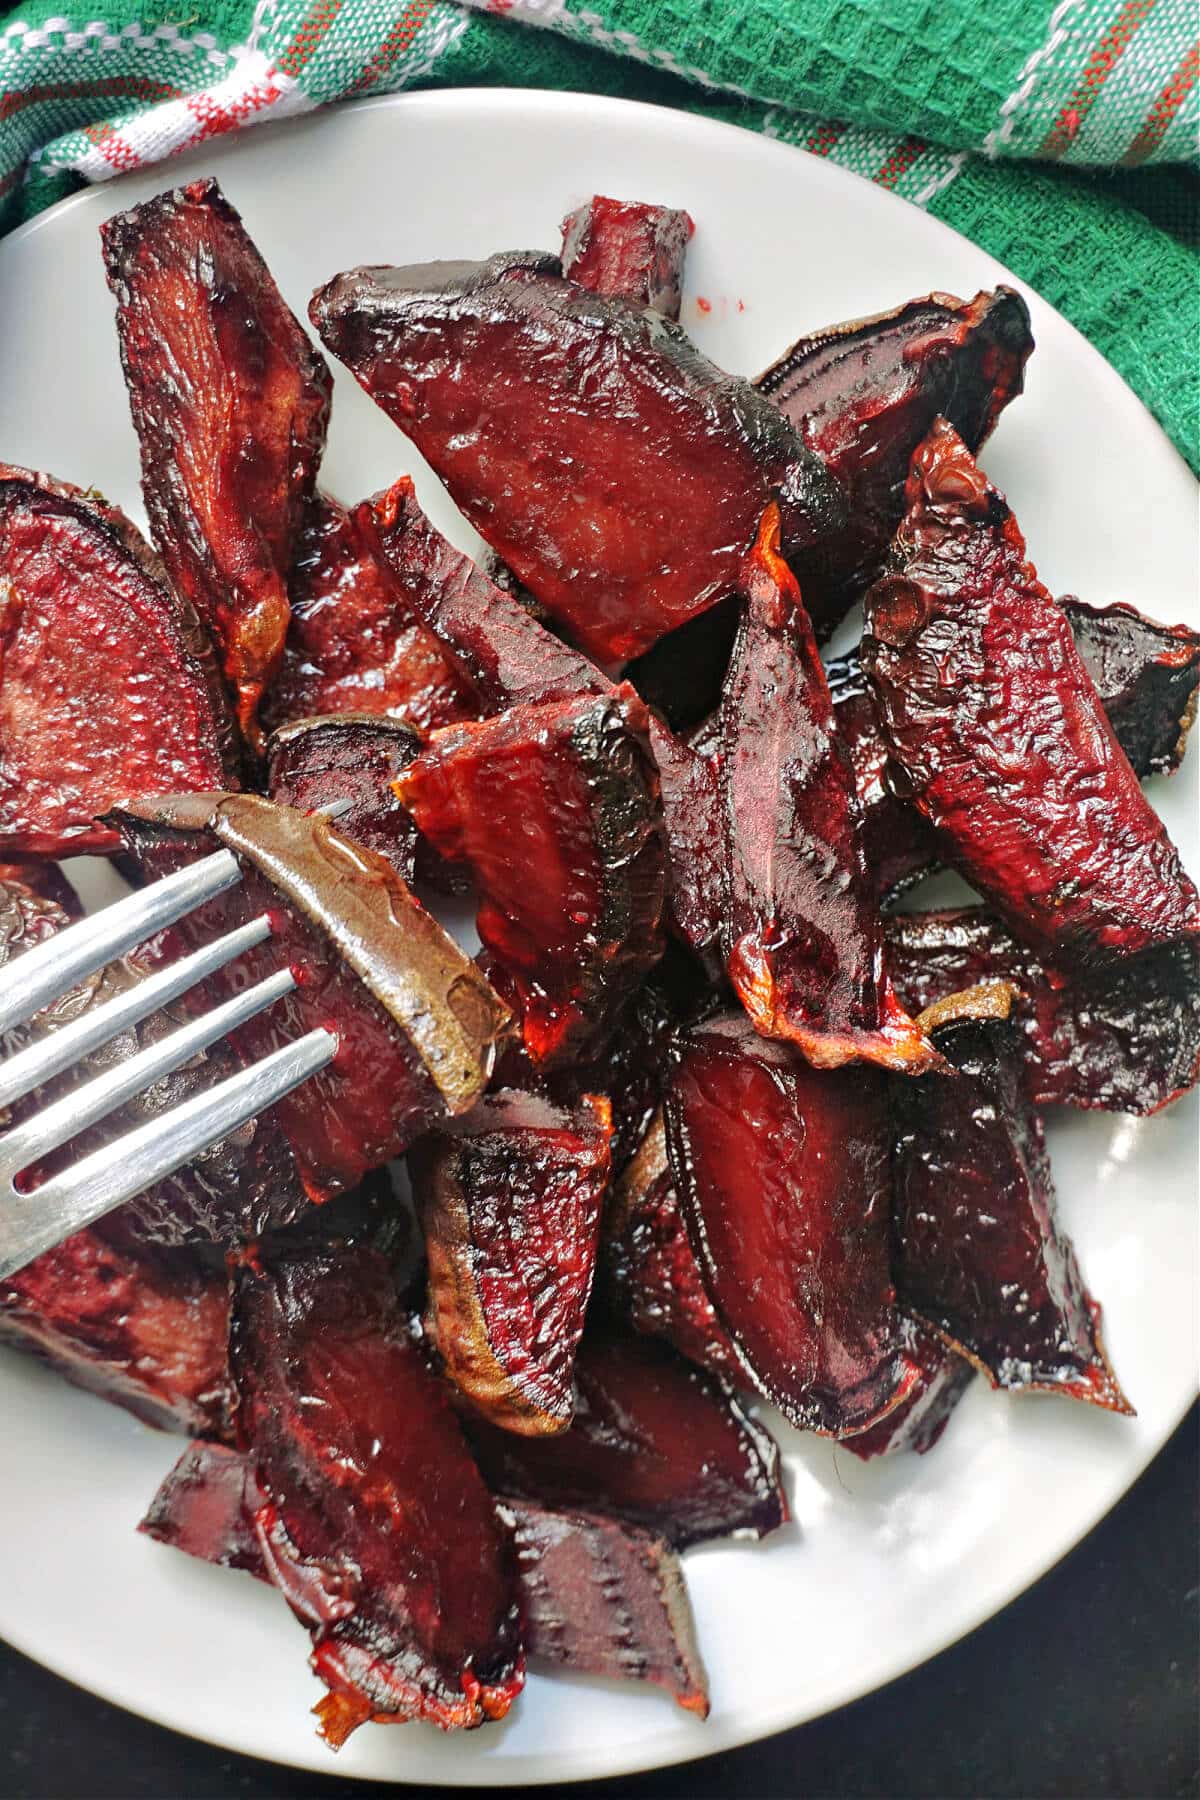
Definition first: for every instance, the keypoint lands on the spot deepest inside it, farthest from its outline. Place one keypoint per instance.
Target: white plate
(888, 1563)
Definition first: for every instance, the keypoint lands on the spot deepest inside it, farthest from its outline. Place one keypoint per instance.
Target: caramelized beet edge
(349, 760)
(628, 250)
(942, 1378)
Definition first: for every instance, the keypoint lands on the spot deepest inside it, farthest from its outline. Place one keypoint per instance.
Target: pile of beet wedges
(705, 1117)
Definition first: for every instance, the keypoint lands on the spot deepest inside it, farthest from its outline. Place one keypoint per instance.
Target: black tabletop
(1087, 1686)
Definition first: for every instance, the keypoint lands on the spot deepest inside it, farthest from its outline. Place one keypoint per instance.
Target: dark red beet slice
(207, 1506)
(355, 757)
(352, 643)
(510, 1200)
(230, 402)
(1147, 676)
(977, 1252)
(996, 724)
(147, 1330)
(863, 395)
(899, 846)
(655, 1442)
(1121, 1040)
(603, 1599)
(618, 473)
(782, 1174)
(416, 1022)
(919, 1421)
(555, 810)
(629, 251)
(376, 1524)
(108, 683)
(801, 931)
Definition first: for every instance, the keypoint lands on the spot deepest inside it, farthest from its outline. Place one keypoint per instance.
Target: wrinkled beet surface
(629, 251)
(863, 395)
(108, 683)
(376, 1524)
(999, 732)
(230, 403)
(655, 1442)
(977, 1251)
(618, 473)
(510, 1200)
(355, 757)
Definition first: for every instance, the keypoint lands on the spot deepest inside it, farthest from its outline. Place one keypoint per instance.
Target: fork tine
(85, 1105)
(49, 969)
(34, 1222)
(50, 1055)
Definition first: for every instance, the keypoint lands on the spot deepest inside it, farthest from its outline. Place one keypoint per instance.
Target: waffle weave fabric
(1060, 137)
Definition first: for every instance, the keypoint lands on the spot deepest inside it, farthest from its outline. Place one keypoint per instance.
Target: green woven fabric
(1061, 137)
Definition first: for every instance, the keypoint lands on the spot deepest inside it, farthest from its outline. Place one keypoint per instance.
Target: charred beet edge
(207, 1506)
(1147, 676)
(651, 1278)
(510, 1200)
(352, 643)
(899, 846)
(230, 403)
(977, 1252)
(618, 473)
(603, 1599)
(354, 757)
(996, 725)
(782, 1175)
(655, 1442)
(416, 1022)
(555, 810)
(942, 1378)
(1122, 1040)
(629, 251)
(108, 682)
(801, 932)
(375, 1523)
(863, 395)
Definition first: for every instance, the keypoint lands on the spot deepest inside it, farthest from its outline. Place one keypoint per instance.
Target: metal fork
(34, 1220)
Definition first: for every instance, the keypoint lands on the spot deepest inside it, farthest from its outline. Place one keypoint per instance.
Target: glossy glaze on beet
(863, 395)
(376, 1524)
(353, 645)
(416, 1022)
(109, 685)
(1125, 1039)
(655, 1442)
(801, 932)
(628, 250)
(977, 1250)
(510, 1200)
(899, 846)
(997, 727)
(942, 1378)
(354, 757)
(1146, 674)
(206, 1507)
(230, 402)
(618, 473)
(555, 810)
(604, 1599)
(782, 1174)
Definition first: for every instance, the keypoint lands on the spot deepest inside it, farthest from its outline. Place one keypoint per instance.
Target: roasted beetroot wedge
(352, 643)
(629, 251)
(977, 1252)
(1121, 1040)
(782, 1174)
(603, 1599)
(942, 1378)
(997, 727)
(617, 472)
(207, 1507)
(349, 757)
(1147, 676)
(899, 846)
(651, 1278)
(510, 1200)
(147, 1330)
(555, 810)
(863, 395)
(655, 1442)
(230, 403)
(416, 1022)
(109, 686)
(375, 1522)
(801, 931)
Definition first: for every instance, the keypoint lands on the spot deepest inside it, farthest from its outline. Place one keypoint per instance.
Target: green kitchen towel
(1061, 137)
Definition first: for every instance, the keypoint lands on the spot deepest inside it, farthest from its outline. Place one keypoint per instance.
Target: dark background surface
(1087, 1686)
